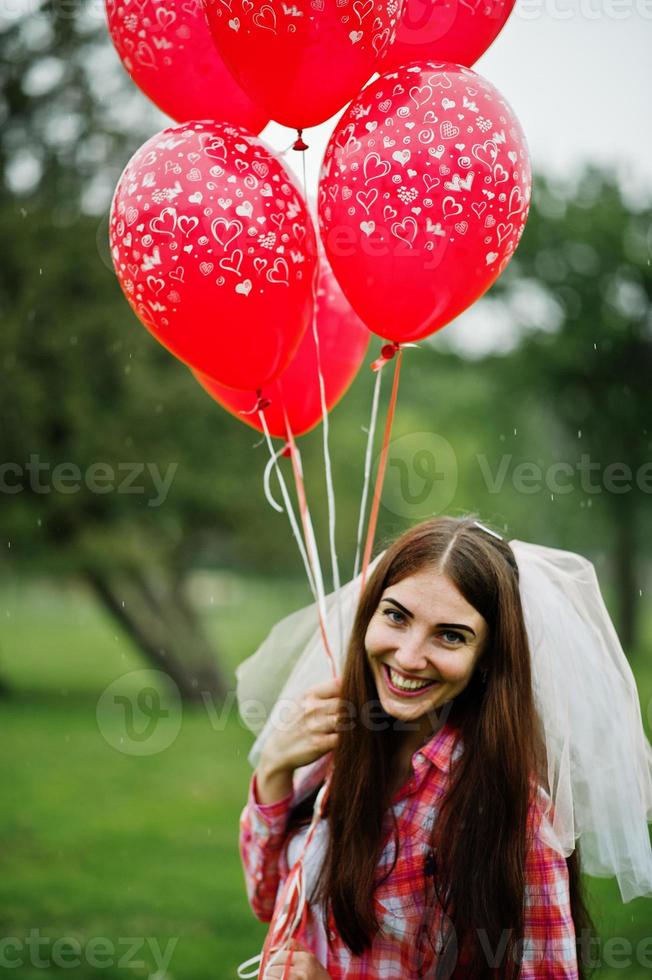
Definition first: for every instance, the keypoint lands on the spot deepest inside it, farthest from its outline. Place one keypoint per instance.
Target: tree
(587, 250)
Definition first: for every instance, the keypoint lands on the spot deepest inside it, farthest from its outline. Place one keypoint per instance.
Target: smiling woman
(419, 837)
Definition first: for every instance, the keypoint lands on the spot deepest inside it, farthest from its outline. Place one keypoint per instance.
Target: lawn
(112, 861)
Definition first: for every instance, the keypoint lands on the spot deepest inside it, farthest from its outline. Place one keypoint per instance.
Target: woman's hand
(304, 965)
(306, 731)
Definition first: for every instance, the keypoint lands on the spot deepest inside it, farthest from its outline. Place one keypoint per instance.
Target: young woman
(433, 854)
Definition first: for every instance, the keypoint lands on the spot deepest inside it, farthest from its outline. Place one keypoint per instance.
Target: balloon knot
(299, 143)
(260, 406)
(287, 450)
(387, 352)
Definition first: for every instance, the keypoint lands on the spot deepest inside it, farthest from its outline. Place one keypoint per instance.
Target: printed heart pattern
(167, 48)
(283, 51)
(232, 244)
(447, 161)
(280, 17)
(462, 200)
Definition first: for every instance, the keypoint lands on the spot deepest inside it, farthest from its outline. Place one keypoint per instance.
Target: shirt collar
(443, 748)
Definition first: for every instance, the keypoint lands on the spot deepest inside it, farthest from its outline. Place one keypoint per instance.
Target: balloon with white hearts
(459, 31)
(169, 53)
(302, 60)
(423, 197)
(215, 251)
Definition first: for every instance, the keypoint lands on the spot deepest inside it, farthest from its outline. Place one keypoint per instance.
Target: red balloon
(423, 197)
(343, 343)
(459, 31)
(215, 251)
(302, 60)
(169, 53)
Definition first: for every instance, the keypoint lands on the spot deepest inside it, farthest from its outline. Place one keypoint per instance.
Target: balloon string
(272, 464)
(330, 491)
(328, 470)
(310, 541)
(367, 471)
(288, 507)
(292, 900)
(373, 517)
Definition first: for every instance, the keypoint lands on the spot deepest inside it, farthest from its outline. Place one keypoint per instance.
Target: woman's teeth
(406, 685)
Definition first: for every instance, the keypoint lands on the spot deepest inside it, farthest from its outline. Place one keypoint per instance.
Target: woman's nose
(411, 656)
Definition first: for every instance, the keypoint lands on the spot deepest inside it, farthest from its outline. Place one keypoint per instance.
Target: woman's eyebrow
(400, 606)
(448, 626)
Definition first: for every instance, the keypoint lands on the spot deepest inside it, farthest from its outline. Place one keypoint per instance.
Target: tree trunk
(165, 628)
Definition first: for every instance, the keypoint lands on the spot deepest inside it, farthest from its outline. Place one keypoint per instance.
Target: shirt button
(419, 758)
(331, 935)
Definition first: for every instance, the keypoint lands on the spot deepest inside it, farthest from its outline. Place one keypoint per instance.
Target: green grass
(99, 843)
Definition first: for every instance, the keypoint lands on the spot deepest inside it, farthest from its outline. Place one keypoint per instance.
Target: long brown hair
(480, 873)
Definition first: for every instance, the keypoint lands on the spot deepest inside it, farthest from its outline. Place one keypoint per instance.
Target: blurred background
(140, 561)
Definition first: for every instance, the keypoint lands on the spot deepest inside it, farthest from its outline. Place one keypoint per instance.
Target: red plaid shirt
(405, 901)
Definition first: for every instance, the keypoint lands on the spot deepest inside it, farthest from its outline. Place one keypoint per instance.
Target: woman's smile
(403, 684)
(423, 643)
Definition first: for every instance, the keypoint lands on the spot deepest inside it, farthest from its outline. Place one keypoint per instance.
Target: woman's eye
(450, 636)
(390, 613)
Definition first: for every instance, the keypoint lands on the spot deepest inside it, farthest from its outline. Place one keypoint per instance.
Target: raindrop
(579, 433)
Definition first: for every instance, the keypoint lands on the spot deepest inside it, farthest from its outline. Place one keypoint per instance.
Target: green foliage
(97, 843)
(83, 383)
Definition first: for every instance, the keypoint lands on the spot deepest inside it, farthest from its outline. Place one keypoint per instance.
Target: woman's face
(423, 643)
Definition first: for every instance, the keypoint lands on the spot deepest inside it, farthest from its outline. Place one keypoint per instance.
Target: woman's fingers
(324, 724)
(304, 965)
(326, 689)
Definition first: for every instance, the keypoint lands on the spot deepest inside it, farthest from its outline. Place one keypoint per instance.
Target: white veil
(599, 760)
